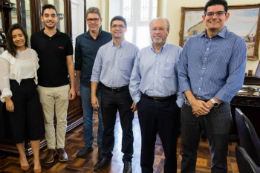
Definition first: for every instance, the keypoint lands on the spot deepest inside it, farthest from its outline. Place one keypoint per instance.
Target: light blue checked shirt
(213, 67)
(156, 74)
(113, 65)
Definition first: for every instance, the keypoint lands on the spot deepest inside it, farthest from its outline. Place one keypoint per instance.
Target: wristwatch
(215, 104)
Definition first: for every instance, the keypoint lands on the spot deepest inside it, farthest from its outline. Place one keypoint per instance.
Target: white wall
(173, 13)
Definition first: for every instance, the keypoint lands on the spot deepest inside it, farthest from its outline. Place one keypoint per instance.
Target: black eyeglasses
(218, 13)
(94, 20)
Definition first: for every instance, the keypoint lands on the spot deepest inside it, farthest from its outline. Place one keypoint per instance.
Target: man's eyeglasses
(218, 13)
(94, 20)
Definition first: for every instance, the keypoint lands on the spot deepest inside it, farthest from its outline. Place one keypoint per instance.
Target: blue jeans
(88, 117)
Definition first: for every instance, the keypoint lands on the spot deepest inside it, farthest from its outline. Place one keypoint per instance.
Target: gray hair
(161, 18)
(93, 10)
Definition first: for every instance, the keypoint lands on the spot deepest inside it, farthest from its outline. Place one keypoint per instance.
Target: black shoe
(101, 163)
(127, 167)
(84, 151)
(99, 154)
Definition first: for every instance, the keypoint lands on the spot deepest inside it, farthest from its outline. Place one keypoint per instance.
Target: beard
(161, 40)
(49, 26)
(157, 41)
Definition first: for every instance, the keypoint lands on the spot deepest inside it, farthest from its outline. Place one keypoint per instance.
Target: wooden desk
(250, 106)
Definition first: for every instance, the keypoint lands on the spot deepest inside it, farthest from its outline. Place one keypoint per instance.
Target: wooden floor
(9, 163)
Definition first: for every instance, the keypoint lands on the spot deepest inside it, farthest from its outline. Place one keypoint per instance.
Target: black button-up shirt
(85, 54)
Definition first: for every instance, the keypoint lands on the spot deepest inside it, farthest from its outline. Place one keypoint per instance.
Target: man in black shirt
(87, 45)
(55, 54)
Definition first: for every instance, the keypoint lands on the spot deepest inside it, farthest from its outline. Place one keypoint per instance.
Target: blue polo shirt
(85, 54)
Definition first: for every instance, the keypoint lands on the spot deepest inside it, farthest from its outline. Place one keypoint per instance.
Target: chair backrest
(248, 137)
(244, 162)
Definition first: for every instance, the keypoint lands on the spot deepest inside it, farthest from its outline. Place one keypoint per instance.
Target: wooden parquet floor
(9, 163)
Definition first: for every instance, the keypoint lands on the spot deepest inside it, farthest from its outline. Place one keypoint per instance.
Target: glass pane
(14, 12)
(129, 34)
(154, 12)
(127, 10)
(59, 5)
(144, 10)
(26, 17)
(143, 37)
(1, 26)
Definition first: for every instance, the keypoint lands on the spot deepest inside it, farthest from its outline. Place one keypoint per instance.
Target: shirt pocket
(125, 64)
(168, 70)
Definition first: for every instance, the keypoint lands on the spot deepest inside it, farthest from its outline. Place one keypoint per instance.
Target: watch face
(215, 104)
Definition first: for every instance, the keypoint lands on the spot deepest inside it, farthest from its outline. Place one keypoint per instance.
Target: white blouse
(23, 66)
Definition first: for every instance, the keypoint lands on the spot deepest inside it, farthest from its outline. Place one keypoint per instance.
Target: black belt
(116, 89)
(160, 99)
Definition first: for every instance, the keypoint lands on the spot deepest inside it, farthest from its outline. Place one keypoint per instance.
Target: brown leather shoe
(50, 156)
(63, 157)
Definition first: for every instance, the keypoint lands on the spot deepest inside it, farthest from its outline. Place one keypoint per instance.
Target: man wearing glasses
(113, 67)
(87, 45)
(211, 72)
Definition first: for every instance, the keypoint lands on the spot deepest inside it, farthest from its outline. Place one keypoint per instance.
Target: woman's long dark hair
(10, 46)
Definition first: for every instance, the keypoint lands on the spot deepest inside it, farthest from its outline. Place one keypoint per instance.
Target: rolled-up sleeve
(78, 55)
(4, 79)
(96, 71)
(237, 67)
(135, 80)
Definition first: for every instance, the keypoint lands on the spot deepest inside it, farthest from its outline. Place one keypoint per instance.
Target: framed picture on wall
(243, 21)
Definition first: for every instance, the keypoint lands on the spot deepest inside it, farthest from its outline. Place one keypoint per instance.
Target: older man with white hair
(153, 87)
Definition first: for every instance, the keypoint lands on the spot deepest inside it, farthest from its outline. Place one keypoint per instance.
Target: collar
(88, 33)
(122, 44)
(162, 48)
(222, 33)
(58, 33)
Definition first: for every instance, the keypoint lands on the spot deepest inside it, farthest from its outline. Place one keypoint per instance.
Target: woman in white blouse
(18, 78)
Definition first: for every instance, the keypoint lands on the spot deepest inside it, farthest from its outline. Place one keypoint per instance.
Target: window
(138, 14)
(127, 10)
(144, 10)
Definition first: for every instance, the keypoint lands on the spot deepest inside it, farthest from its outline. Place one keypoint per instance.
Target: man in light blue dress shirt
(211, 72)
(153, 87)
(113, 67)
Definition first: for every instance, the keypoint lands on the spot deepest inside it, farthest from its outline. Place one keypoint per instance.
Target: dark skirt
(26, 122)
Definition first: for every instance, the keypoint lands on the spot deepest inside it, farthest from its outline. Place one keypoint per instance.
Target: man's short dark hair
(216, 2)
(118, 18)
(46, 6)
